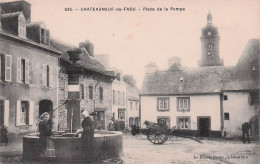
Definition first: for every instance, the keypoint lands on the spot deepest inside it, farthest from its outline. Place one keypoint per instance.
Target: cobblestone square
(137, 149)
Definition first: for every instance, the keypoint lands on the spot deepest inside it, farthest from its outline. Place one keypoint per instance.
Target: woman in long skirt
(45, 132)
(87, 137)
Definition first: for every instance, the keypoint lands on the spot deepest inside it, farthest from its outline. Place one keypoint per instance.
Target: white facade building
(206, 101)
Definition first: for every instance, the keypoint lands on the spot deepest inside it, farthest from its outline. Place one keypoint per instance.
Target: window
(82, 95)
(114, 97)
(225, 97)
(90, 88)
(226, 116)
(209, 32)
(47, 75)
(4, 112)
(131, 105)
(183, 104)
(183, 122)
(136, 121)
(21, 27)
(119, 102)
(181, 79)
(136, 107)
(24, 113)
(100, 93)
(163, 103)
(131, 121)
(164, 120)
(23, 71)
(121, 114)
(253, 98)
(43, 36)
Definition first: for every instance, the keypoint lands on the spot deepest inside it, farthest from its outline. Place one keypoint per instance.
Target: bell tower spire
(209, 19)
(210, 45)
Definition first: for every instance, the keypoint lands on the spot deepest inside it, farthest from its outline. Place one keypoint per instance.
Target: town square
(122, 82)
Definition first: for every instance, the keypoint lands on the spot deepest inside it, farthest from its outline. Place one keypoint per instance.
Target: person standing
(45, 132)
(246, 127)
(87, 137)
(3, 135)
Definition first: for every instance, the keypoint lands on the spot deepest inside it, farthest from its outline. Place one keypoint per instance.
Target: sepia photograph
(129, 81)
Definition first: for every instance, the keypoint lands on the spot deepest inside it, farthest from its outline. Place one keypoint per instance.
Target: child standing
(3, 135)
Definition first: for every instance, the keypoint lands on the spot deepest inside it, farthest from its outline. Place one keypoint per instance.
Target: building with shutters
(210, 100)
(28, 70)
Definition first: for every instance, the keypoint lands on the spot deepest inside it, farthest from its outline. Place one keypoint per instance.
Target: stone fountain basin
(107, 145)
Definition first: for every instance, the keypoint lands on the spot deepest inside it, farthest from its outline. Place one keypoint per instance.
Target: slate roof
(86, 61)
(206, 80)
(132, 93)
(10, 15)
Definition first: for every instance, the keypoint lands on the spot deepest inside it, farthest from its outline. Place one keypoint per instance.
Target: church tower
(210, 45)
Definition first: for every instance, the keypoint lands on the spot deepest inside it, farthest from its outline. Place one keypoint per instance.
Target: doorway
(46, 106)
(204, 126)
(100, 117)
(121, 114)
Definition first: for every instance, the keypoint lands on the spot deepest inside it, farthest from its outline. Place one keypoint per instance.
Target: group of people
(87, 132)
(116, 125)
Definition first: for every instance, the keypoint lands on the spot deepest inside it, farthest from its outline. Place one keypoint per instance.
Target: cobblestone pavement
(137, 149)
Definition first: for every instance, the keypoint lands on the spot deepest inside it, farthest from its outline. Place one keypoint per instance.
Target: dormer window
(181, 80)
(21, 27)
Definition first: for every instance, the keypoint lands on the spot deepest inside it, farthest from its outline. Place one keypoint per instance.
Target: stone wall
(63, 83)
(86, 103)
(105, 104)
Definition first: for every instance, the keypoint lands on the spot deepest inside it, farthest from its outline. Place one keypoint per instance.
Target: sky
(135, 38)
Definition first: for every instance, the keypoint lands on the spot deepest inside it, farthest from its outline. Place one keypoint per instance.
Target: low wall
(106, 145)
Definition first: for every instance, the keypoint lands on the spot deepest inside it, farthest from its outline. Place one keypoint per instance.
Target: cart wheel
(157, 134)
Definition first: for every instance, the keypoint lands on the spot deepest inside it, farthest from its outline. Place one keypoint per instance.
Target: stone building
(211, 100)
(82, 85)
(28, 70)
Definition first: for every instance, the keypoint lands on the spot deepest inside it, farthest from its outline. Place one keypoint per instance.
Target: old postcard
(129, 81)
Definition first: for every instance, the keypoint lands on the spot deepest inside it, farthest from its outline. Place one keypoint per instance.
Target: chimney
(173, 60)
(89, 46)
(151, 68)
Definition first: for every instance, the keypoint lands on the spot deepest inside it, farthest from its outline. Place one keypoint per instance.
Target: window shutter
(85, 91)
(18, 72)
(31, 111)
(8, 67)
(30, 72)
(47, 37)
(44, 77)
(6, 113)
(50, 76)
(0, 67)
(27, 68)
(18, 113)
